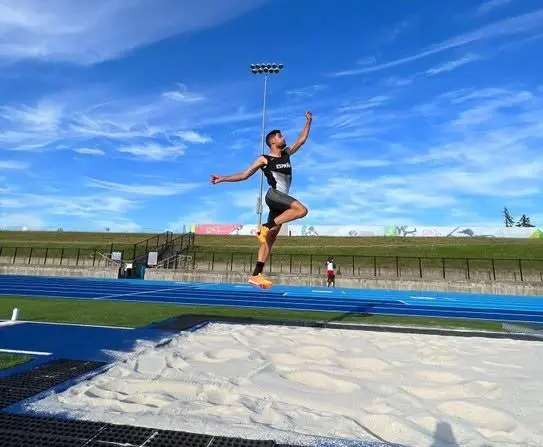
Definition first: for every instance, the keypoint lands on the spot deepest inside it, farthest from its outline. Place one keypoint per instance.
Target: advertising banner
(465, 231)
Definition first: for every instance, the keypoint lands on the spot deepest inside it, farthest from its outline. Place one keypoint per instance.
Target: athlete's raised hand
(309, 116)
(216, 179)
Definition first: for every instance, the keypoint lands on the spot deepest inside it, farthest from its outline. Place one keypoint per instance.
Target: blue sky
(114, 113)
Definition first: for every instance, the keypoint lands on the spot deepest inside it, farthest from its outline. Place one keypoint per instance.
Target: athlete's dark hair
(271, 134)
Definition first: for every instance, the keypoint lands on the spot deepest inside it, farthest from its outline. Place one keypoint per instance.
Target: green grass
(140, 314)
(324, 246)
(382, 246)
(68, 239)
(12, 360)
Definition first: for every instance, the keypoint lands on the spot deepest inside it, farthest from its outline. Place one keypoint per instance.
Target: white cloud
(193, 137)
(306, 92)
(44, 117)
(183, 95)
(91, 31)
(30, 128)
(164, 189)
(508, 27)
(154, 151)
(365, 104)
(89, 151)
(491, 5)
(452, 65)
(81, 206)
(20, 220)
(397, 81)
(13, 165)
(486, 110)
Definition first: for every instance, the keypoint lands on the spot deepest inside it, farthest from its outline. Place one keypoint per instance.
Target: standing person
(283, 207)
(330, 272)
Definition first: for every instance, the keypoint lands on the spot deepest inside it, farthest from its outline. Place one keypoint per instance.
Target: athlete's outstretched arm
(304, 135)
(244, 175)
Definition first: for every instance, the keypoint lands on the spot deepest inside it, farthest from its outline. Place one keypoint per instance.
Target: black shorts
(278, 202)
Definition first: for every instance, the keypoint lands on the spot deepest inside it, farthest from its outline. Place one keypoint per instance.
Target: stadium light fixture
(266, 69)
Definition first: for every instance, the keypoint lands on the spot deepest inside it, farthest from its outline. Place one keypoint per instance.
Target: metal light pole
(265, 69)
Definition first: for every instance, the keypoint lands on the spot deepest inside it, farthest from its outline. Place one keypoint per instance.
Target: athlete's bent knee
(301, 211)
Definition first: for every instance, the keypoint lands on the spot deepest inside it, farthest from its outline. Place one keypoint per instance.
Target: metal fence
(91, 257)
(476, 269)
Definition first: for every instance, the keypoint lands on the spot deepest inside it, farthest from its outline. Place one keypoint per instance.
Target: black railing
(179, 254)
(95, 256)
(409, 267)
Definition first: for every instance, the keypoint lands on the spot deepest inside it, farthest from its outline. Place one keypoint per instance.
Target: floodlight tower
(265, 69)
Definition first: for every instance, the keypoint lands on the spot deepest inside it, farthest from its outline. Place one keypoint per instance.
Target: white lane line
(78, 324)
(105, 297)
(19, 351)
(9, 323)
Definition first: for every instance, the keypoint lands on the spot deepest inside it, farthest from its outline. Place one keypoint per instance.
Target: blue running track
(505, 308)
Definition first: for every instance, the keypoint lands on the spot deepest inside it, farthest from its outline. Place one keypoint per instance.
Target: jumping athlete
(283, 207)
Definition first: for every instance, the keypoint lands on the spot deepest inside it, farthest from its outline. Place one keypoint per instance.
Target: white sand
(282, 383)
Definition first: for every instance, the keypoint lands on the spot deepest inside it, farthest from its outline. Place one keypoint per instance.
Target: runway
(505, 308)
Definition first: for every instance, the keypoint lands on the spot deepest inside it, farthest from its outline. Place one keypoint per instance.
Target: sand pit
(291, 383)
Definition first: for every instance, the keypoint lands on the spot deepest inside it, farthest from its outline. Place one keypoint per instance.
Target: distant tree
(524, 221)
(509, 221)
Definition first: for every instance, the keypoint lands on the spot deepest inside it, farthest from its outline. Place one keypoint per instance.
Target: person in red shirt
(330, 272)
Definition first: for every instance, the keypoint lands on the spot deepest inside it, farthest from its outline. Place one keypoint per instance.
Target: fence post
(443, 267)
(194, 260)
(467, 268)
(45, 258)
(290, 263)
(94, 258)
(133, 253)
(520, 269)
(493, 269)
(15, 255)
(30, 256)
(310, 264)
(61, 255)
(375, 266)
(212, 260)
(270, 258)
(420, 267)
(353, 265)
(397, 267)
(78, 254)
(231, 261)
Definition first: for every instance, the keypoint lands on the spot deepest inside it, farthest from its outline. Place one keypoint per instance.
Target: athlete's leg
(286, 209)
(265, 249)
(296, 211)
(264, 253)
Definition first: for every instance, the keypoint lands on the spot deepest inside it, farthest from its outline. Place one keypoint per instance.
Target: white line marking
(19, 351)
(9, 323)
(321, 291)
(78, 324)
(105, 297)
(422, 297)
(403, 302)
